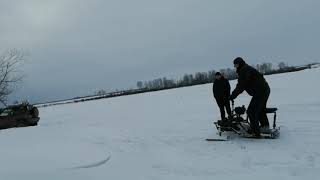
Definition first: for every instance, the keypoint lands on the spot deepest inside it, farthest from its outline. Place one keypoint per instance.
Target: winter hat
(218, 74)
(239, 61)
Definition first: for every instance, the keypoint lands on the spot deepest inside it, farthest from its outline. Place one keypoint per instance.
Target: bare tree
(282, 65)
(101, 92)
(9, 76)
(140, 84)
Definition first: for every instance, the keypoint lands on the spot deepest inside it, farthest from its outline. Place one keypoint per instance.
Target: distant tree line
(186, 80)
(207, 77)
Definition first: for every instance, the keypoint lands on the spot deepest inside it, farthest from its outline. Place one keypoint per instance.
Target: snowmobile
(239, 125)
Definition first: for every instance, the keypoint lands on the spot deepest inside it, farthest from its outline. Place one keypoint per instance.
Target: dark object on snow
(221, 92)
(21, 115)
(238, 125)
(253, 82)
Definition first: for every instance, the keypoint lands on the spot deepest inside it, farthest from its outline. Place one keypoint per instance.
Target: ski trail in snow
(93, 165)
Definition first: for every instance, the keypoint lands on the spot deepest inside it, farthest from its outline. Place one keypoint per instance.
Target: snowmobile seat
(271, 110)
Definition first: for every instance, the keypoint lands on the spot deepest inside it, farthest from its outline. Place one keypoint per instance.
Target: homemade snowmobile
(240, 126)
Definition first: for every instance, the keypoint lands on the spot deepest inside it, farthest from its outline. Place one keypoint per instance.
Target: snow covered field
(161, 135)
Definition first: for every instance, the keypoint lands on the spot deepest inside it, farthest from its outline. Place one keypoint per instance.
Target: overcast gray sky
(79, 46)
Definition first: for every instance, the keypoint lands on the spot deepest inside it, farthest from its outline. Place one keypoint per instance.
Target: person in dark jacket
(253, 82)
(221, 91)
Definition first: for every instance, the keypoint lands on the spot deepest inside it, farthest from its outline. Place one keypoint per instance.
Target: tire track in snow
(93, 165)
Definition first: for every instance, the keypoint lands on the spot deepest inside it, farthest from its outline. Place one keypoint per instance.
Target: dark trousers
(224, 104)
(257, 111)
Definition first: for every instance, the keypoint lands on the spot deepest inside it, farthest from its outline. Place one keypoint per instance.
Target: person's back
(253, 80)
(249, 80)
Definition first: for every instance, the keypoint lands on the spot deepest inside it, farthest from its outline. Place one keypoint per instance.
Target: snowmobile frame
(240, 126)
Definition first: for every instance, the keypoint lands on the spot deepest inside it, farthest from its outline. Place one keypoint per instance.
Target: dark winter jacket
(221, 89)
(251, 81)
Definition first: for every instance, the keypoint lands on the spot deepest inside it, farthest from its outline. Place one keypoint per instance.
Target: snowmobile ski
(218, 139)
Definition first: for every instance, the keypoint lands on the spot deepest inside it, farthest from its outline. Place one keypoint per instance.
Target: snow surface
(161, 135)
